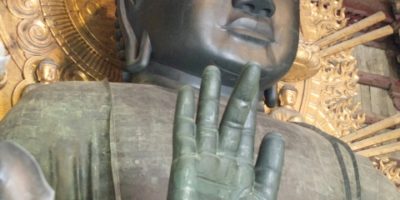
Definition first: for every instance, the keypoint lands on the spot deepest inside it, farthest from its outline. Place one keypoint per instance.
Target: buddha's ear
(137, 56)
(21, 176)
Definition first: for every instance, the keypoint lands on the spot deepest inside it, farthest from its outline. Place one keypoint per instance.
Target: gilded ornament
(286, 111)
(34, 37)
(30, 77)
(306, 64)
(79, 29)
(320, 18)
(74, 74)
(327, 85)
(18, 91)
(24, 8)
(47, 72)
(77, 35)
(339, 77)
(92, 7)
(325, 70)
(389, 167)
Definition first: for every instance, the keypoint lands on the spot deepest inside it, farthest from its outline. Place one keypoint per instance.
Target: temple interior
(344, 79)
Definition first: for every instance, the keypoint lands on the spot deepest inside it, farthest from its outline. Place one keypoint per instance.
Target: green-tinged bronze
(106, 141)
(214, 160)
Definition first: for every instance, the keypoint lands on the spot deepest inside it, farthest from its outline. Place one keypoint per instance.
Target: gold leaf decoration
(390, 168)
(85, 44)
(34, 37)
(321, 17)
(24, 8)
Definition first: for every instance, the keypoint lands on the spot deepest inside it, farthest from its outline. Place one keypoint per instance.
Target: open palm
(214, 162)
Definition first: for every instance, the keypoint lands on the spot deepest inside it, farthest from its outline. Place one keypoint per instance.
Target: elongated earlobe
(136, 56)
(136, 62)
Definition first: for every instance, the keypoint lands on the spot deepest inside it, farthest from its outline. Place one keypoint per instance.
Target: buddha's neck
(170, 78)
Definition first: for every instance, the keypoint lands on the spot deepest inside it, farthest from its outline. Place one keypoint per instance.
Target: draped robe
(98, 140)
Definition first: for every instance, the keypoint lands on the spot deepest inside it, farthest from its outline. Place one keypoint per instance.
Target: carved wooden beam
(362, 39)
(371, 118)
(381, 150)
(364, 8)
(376, 140)
(372, 129)
(383, 82)
(375, 80)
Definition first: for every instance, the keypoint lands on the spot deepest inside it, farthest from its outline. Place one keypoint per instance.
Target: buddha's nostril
(265, 12)
(247, 7)
(263, 8)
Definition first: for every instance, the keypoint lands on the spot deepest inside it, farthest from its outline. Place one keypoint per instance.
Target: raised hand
(213, 162)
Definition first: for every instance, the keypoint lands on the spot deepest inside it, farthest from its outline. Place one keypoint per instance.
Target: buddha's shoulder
(86, 91)
(102, 87)
(64, 99)
(124, 97)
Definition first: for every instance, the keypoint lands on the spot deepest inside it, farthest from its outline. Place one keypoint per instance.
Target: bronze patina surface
(111, 148)
(57, 23)
(104, 133)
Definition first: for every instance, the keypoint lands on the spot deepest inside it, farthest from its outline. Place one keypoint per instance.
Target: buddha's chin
(236, 66)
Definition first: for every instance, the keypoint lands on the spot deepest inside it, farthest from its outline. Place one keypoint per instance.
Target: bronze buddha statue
(228, 34)
(113, 141)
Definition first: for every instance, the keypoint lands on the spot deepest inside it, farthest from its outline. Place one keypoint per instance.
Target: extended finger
(269, 165)
(208, 111)
(246, 147)
(184, 128)
(237, 111)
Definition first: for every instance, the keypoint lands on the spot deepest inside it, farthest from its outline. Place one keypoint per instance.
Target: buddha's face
(191, 34)
(288, 97)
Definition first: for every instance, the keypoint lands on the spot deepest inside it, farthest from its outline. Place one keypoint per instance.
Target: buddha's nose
(264, 8)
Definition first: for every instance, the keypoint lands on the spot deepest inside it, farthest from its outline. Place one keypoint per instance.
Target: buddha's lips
(252, 29)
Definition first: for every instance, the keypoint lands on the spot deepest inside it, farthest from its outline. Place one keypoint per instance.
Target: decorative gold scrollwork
(339, 77)
(71, 23)
(24, 8)
(72, 33)
(320, 18)
(328, 84)
(34, 37)
(74, 74)
(389, 167)
(29, 74)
